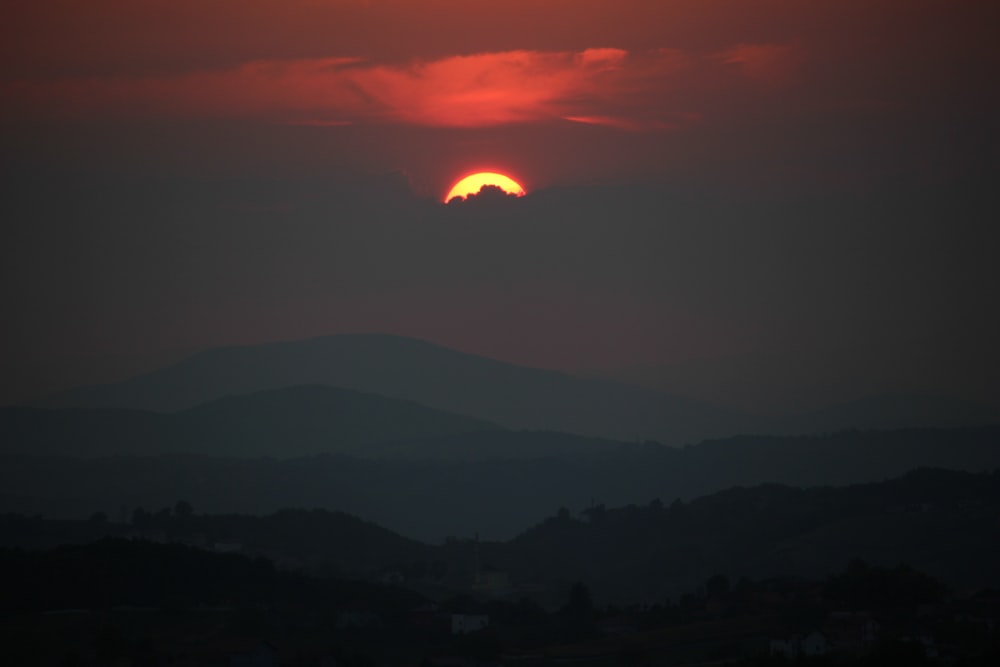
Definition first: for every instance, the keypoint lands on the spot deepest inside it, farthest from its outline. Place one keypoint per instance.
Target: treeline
(448, 491)
(942, 522)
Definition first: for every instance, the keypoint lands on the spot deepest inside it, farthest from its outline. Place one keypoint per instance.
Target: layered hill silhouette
(430, 497)
(889, 411)
(938, 521)
(508, 395)
(292, 421)
(513, 396)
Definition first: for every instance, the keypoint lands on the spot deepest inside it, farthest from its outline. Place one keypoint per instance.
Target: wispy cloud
(600, 86)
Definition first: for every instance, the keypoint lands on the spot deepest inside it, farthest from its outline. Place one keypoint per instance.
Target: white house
(462, 624)
(814, 643)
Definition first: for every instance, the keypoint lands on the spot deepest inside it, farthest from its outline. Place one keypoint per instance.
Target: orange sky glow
(281, 149)
(611, 86)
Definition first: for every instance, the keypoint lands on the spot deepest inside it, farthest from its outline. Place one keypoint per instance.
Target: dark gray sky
(785, 196)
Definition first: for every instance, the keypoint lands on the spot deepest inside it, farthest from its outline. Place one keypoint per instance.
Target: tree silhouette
(579, 612)
(183, 510)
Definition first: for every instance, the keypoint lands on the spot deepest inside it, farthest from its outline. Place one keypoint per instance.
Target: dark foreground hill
(940, 522)
(293, 421)
(513, 396)
(314, 541)
(115, 572)
(134, 602)
(430, 498)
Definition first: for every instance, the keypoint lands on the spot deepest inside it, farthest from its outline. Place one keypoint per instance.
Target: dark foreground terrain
(494, 483)
(130, 602)
(895, 572)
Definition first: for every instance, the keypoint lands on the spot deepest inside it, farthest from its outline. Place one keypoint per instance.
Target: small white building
(463, 624)
(814, 643)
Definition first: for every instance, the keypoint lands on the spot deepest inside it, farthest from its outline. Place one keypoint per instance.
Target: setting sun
(473, 183)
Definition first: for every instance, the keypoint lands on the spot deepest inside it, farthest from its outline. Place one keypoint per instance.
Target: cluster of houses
(843, 632)
(432, 617)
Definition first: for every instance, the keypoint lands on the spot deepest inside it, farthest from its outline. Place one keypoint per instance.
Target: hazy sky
(810, 185)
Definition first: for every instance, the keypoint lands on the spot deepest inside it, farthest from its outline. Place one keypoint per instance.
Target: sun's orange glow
(473, 183)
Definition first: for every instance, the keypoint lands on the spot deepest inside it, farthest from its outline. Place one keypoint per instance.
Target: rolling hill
(941, 522)
(292, 421)
(429, 498)
(516, 397)
(512, 396)
(938, 521)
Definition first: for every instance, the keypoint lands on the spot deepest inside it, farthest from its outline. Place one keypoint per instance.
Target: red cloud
(605, 86)
(607, 121)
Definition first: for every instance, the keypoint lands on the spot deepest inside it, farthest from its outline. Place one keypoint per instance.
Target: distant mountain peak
(399, 367)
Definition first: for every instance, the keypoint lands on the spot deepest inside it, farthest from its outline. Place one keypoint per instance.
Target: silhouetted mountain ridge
(939, 521)
(429, 498)
(514, 396)
(316, 419)
(291, 421)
